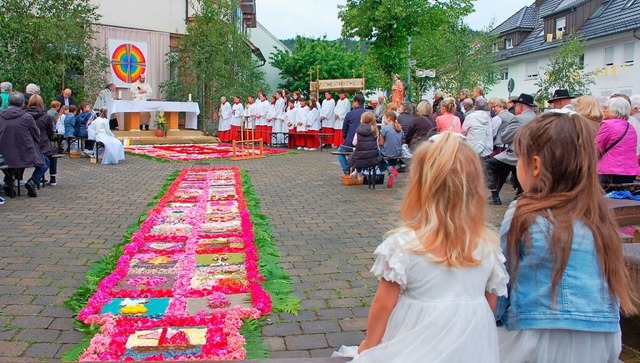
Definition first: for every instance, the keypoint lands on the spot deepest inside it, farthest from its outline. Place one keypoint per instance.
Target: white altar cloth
(191, 109)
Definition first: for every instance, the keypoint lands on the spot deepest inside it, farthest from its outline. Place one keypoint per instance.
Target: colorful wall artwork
(128, 61)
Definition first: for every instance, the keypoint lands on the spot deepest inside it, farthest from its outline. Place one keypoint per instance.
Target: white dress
(442, 314)
(113, 148)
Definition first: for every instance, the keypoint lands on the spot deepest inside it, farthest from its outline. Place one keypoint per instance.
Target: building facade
(146, 30)
(610, 30)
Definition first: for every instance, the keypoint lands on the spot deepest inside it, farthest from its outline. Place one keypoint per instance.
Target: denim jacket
(582, 299)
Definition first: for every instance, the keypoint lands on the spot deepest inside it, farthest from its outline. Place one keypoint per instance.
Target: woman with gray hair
(616, 142)
(6, 88)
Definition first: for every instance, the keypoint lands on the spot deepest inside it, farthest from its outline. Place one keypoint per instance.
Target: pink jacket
(621, 159)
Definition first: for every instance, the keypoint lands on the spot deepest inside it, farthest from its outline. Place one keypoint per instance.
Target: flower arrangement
(158, 280)
(191, 152)
(161, 120)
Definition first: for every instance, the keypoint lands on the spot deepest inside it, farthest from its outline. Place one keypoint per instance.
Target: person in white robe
(237, 113)
(113, 148)
(301, 124)
(271, 113)
(313, 126)
(327, 119)
(279, 125)
(343, 106)
(290, 122)
(224, 125)
(142, 91)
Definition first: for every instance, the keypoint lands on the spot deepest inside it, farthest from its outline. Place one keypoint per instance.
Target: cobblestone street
(326, 234)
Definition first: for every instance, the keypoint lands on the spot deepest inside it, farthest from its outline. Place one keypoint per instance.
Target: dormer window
(600, 9)
(561, 26)
(508, 43)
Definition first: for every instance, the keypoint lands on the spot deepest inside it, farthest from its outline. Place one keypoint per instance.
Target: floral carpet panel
(191, 152)
(186, 281)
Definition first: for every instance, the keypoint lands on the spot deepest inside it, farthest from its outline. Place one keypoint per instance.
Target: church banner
(128, 61)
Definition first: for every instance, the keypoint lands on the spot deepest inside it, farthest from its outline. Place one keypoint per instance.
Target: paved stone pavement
(326, 234)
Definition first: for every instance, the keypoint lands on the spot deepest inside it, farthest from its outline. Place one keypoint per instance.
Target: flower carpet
(188, 280)
(191, 152)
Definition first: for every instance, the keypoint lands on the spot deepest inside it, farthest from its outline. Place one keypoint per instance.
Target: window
(608, 56)
(627, 92)
(508, 43)
(628, 4)
(628, 54)
(561, 26)
(494, 48)
(606, 94)
(504, 74)
(581, 61)
(600, 9)
(532, 69)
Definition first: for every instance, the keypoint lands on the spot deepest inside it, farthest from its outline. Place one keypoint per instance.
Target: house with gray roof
(610, 30)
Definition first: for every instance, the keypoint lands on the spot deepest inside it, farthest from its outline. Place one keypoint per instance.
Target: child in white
(301, 124)
(237, 112)
(279, 124)
(343, 106)
(441, 271)
(224, 128)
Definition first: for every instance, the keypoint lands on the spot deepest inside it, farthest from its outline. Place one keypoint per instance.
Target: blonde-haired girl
(441, 270)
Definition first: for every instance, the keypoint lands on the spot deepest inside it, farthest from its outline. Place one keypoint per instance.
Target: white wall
(625, 79)
(156, 15)
(268, 44)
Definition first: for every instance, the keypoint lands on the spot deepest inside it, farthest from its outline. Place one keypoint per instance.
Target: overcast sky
(315, 18)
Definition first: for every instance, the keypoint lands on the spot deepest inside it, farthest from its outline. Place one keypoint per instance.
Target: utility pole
(408, 88)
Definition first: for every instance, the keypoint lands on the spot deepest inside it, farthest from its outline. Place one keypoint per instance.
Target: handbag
(611, 146)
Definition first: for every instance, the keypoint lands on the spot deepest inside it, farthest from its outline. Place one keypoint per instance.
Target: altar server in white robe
(279, 124)
(261, 117)
(327, 118)
(290, 121)
(313, 126)
(301, 124)
(343, 106)
(237, 112)
(224, 126)
(250, 122)
(271, 114)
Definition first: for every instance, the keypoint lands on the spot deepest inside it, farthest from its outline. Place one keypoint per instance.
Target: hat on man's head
(560, 94)
(525, 99)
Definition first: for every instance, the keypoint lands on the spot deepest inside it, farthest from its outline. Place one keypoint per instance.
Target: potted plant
(161, 124)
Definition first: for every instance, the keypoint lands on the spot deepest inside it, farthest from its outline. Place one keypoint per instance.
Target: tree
(565, 70)
(331, 56)
(387, 25)
(462, 58)
(49, 43)
(213, 59)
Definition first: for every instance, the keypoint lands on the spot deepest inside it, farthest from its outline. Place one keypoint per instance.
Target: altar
(132, 110)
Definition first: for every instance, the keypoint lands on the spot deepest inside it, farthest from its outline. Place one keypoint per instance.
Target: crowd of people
(489, 126)
(32, 136)
(552, 284)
